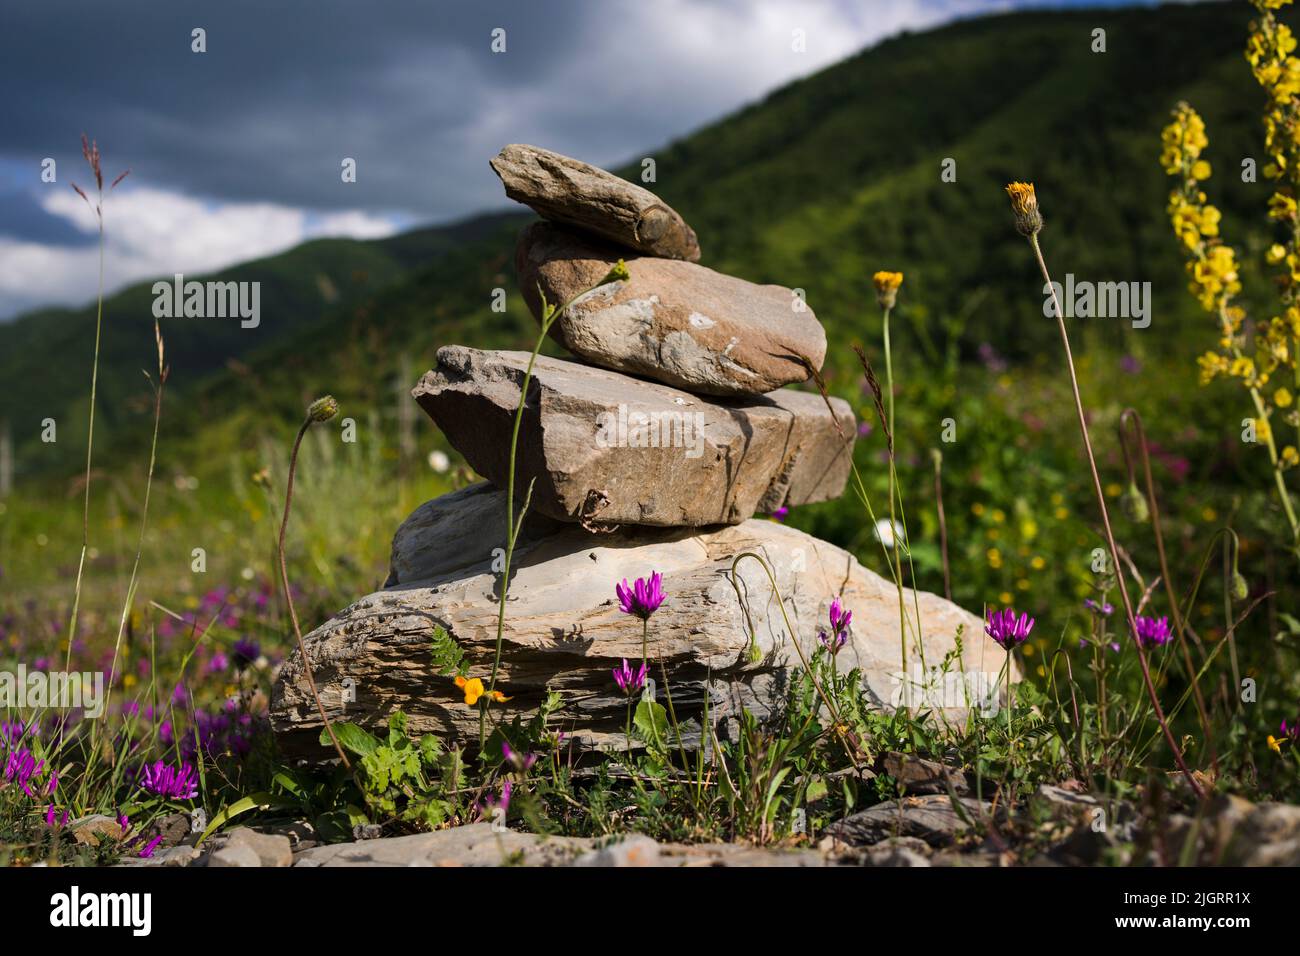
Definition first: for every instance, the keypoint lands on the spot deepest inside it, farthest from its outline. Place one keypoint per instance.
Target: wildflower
(473, 688)
(149, 847)
(1024, 204)
(1008, 630)
(21, 766)
(1153, 631)
(170, 783)
(780, 513)
(1105, 609)
(630, 681)
(497, 696)
(887, 284)
(323, 409)
(53, 820)
(840, 620)
(521, 762)
(617, 273)
(642, 598)
(245, 652)
(832, 643)
(489, 807)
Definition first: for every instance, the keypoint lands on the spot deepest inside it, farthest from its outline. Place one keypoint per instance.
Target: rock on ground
(568, 190)
(565, 632)
(675, 322)
(604, 447)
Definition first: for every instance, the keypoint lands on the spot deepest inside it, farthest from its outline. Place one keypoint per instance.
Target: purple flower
(832, 644)
(1105, 609)
(839, 633)
(642, 598)
(628, 680)
(1130, 364)
(53, 820)
(170, 783)
(522, 762)
(21, 766)
(781, 513)
(149, 847)
(1291, 733)
(1008, 630)
(218, 663)
(246, 651)
(1153, 631)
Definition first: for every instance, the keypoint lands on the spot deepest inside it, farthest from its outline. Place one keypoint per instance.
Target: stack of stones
(653, 451)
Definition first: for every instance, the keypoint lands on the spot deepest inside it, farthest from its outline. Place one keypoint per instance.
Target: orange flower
(473, 688)
(887, 284)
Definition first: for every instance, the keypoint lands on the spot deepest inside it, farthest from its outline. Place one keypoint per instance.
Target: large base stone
(565, 632)
(608, 448)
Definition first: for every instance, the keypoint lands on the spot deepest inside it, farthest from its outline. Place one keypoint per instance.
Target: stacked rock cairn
(651, 452)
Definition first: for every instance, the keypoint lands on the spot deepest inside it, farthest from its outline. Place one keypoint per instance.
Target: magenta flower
(171, 783)
(21, 766)
(1153, 631)
(521, 762)
(630, 681)
(839, 633)
(1105, 609)
(642, 598)
(53, 820)
(780, 513)
(149, 847)
(1008, 630)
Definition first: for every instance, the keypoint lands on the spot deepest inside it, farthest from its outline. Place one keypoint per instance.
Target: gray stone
(476, 844)
(565, 632)
(235, 855)
(916, 775)
(271, 849)
(933, 818)
(634, 850)
(675, 322)
(568, 190)
(609, 449)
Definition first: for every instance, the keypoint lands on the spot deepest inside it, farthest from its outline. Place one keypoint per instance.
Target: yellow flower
(887, 284)
(1037, 563)
(1282, 398)
(1024, 204)
(473, 688)
(1290, 457)
(497, 696)
(1200, 169)
(1274, 744)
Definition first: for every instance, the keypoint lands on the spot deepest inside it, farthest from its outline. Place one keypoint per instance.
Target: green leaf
(352, 738)
(254, 801)
(448, 658)
(651, 720)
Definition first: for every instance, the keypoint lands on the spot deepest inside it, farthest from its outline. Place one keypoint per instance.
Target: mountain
(816, 186)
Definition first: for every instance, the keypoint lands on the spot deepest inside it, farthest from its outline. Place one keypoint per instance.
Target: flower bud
(1024, 204)
(1240, 589)
(323, 409)
(1135, 505)
(617, 273)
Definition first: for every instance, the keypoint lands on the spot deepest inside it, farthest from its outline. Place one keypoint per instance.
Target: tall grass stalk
(1105, 518)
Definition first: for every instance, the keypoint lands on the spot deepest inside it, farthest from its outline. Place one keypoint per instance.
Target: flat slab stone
(475, 844)
(607, 448)
(568, 190)
(564, 631)
(675, 322)
(934, 818)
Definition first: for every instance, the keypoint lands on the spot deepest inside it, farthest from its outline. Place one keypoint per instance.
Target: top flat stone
(568, 190)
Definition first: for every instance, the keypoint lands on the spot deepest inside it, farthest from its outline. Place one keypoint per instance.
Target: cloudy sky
(235, 152)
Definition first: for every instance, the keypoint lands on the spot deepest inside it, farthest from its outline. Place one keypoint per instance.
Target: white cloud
(152, 232)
